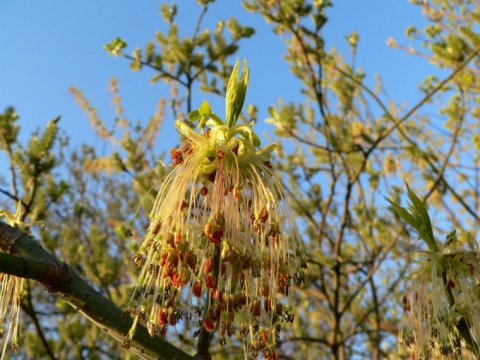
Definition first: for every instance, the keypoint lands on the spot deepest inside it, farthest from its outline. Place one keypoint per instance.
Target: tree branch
(11, 196)
(28, 308)
(31, 260)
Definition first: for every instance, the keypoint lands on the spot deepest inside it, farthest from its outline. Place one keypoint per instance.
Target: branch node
(57, 275)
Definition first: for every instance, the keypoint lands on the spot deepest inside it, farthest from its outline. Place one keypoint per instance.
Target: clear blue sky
(48, 46)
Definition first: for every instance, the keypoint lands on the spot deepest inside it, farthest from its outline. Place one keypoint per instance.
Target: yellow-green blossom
(221, 234)
(10, 296)
(441, 294)
(11, 290)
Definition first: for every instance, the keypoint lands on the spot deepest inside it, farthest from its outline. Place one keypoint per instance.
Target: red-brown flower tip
(162, 316)
(210, 281)
(177, 157)
(197, 288)
(255, 308)
(209, 323)
(208, 266)
(191, 259)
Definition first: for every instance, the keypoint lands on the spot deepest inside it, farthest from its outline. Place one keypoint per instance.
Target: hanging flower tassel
(221, 233)
(441, 302)
(11, 291)
(10, 296)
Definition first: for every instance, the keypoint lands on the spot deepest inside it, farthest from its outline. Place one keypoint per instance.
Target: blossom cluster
(11, 292)
(221, 234)
(442, 294)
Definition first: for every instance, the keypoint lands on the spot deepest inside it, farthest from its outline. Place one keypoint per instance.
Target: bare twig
(11, 196)
(398, 122)
(405, 117)
(28, 307)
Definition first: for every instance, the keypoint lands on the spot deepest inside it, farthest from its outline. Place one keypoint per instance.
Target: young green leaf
(417, 217)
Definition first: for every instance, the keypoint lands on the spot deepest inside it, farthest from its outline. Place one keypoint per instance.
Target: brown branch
(11, 196)
(13, 174)
(31, 260)
(28, 308)
(444, 165)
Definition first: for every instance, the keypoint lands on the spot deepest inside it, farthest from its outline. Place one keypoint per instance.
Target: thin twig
(441, 171)
(11, 196)
(398, 122)
(426, 98)
(156, 68)
(29, 309)
(199, 22)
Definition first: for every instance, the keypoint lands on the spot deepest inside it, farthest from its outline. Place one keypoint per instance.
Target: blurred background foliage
(339, 152)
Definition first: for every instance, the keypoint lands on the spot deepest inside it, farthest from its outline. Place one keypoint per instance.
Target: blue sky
(48, 46)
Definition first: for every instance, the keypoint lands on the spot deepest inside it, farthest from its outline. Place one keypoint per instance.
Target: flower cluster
(442, 301)
(442, 294)
(10, 296)
(221, 234)
(11, 291)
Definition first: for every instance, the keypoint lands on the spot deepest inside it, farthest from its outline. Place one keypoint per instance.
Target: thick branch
(31, 260)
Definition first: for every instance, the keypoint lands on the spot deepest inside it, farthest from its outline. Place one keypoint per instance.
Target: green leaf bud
(236, 91)
(115, 47)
